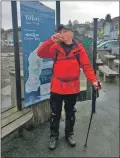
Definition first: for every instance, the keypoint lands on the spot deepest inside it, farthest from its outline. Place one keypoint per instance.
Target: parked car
(100, 41)
(109, 44)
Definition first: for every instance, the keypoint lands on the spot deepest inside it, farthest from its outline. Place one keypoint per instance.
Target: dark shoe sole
(52, 148)
(72, 145)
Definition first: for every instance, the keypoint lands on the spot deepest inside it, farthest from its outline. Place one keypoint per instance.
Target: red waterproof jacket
(66, 70)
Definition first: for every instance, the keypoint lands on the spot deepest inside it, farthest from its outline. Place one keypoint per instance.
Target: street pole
(57, 14)
(94, 62)
(16, 53)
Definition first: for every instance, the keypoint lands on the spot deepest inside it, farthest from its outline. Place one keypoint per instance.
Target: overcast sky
(77, 10)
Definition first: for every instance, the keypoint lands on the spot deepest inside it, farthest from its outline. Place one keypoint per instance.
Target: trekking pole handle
(99, 85)
(97, 91)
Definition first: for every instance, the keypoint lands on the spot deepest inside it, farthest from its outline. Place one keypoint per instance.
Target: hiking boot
(71, 140)
(52, 143)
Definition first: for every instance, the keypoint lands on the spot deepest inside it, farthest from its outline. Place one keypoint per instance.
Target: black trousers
(56, 101)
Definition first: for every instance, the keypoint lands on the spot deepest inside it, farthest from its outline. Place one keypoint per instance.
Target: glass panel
(7, 55)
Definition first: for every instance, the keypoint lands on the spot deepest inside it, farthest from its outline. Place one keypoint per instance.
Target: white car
(108, 44)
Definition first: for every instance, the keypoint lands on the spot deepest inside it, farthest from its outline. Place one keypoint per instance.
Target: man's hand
(97, 86)
(56, 38)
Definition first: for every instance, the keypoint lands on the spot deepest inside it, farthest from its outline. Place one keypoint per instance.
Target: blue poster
(37, 25)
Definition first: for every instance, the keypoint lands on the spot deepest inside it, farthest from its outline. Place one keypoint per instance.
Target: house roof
(9, 31)
(101, 23)
(114, 21)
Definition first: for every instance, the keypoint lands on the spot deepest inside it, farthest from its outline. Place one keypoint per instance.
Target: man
(68, 56)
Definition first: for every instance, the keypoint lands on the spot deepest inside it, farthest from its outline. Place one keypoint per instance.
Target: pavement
(103, 139)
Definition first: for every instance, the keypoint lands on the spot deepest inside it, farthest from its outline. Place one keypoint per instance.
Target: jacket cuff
(95, 80)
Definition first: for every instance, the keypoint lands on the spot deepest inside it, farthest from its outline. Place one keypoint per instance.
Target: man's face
(66, 35)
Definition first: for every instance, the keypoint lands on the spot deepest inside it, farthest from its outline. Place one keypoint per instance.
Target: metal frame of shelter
(16, 52)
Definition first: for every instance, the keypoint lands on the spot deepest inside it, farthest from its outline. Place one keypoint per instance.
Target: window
(111, 44)
(116, 26)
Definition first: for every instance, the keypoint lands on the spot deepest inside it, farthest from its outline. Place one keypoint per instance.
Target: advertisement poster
(37, 25)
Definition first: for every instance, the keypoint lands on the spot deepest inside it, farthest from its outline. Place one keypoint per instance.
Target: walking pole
(85, 146)
(95, 93)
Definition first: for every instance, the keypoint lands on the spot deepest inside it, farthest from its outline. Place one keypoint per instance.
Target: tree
(2, 30)
(87, 22)
(70, 23)
(108, 18)
(87, 26)
(76, 35)
(75, 22)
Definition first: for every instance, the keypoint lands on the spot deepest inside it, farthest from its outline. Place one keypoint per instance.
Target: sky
(77, 10)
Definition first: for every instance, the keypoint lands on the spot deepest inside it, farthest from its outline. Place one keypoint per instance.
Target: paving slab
(103, 140)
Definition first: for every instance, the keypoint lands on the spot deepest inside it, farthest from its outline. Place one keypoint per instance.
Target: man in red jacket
(68, 56)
